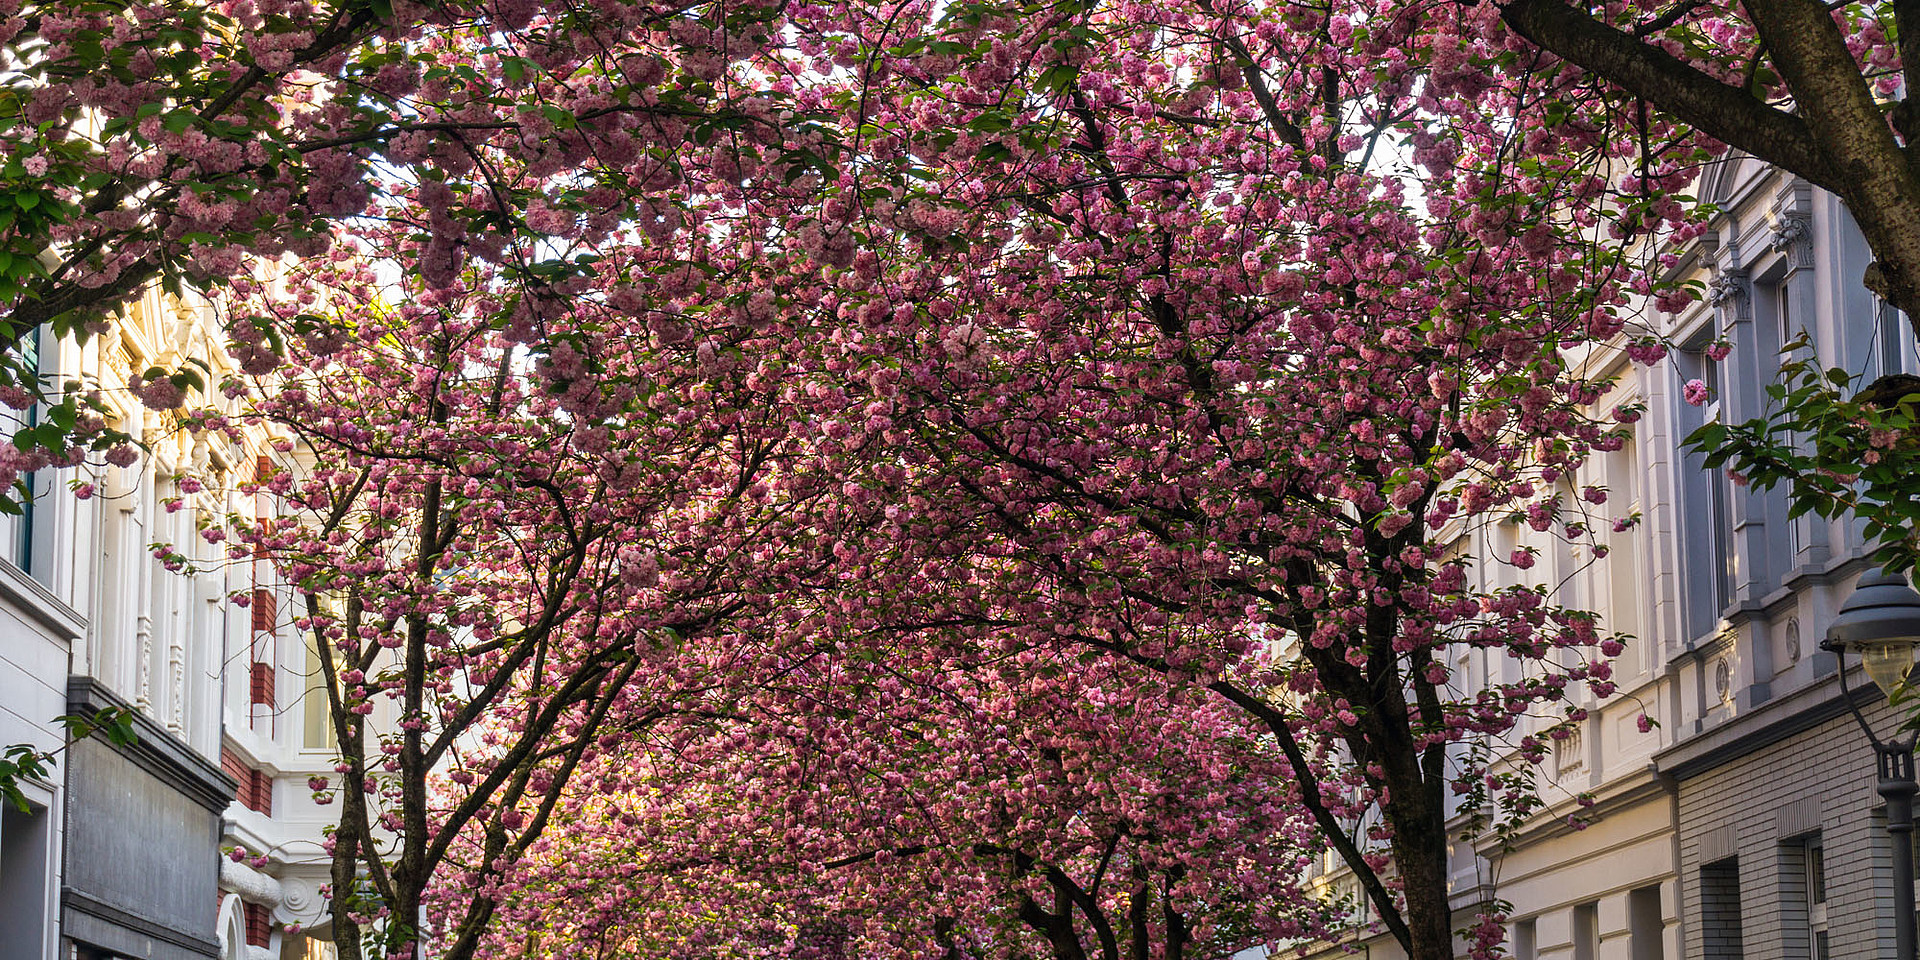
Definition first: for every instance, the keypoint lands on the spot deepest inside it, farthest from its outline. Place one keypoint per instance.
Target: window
(1891, 341)
(1646, 924)
(1803, 899)
(1503, 538)
(1720, 910)
(1816, 890)
(1586, 932)
(20, 540)
(23, 883)
(1619, 471)
(1707, 513)
(1783, 311)
(316, 725)
(1526, 940)
(1725, 564)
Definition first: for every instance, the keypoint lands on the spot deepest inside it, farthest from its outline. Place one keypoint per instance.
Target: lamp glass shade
(1887, 663)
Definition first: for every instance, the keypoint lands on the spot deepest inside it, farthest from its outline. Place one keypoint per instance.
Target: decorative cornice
(1800, 710)
(156, 750)
(39, 605)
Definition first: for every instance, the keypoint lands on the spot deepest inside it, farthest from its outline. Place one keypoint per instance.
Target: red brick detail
(262, 794)
(262, 467)
(255, 790)
(259, 924)
(264, 609)
(260, 683)
(235, 769)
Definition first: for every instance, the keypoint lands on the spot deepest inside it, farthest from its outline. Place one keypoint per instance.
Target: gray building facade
(1782, 834)
(143, 829)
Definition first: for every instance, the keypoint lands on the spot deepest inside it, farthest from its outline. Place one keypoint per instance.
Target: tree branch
(1726, 113)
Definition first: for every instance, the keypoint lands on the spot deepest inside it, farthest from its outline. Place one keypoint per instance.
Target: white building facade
(1746, 824)
(122, 852)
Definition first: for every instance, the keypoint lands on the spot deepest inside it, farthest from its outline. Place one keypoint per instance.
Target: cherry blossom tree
(175, 141)
(1171, 341)
(512, 558)
(1198, 330)
(1188, 338)
(905, 802)
(1822, 90)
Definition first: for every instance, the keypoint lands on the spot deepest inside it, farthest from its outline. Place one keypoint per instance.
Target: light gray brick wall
(1790, 877)
(1759, 809)
(1722, 931)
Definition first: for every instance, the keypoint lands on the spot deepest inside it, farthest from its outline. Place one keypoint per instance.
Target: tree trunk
(1420, 850)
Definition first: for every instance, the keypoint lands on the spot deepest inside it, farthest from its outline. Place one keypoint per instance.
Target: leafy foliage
(1836, 448)
(24, 761)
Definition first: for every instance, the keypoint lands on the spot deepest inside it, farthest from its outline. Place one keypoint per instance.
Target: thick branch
(1724, 112)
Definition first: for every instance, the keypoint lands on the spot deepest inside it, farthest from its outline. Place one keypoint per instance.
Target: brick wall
(255, 791)
(1755, 815)
(259, 924)
(1721, 931)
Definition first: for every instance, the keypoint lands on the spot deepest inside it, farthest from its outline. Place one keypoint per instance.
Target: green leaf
(991, 122)
(1708, 436)
(1058, 78)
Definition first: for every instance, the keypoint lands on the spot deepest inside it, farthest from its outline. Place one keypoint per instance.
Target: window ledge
(39, 604)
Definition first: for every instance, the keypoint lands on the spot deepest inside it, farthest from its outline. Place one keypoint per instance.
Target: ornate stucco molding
(252, 885)
(1731, 293)
(1793, 235)
(301, 902)
(1791, 230)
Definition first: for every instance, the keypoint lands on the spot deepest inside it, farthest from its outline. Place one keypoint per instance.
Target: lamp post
(1881, 623)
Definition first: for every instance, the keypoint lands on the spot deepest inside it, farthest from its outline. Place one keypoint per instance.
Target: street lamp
(1881, 623)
